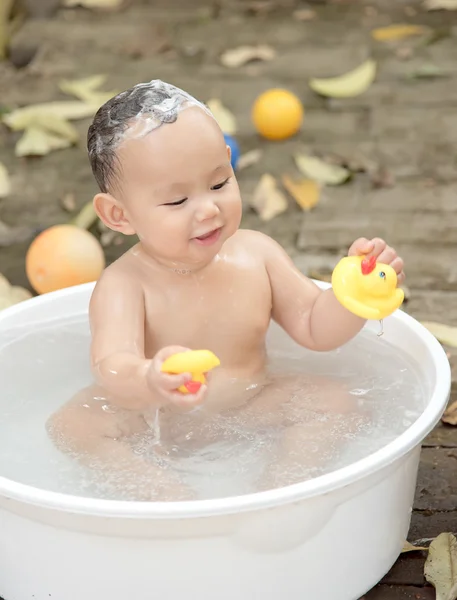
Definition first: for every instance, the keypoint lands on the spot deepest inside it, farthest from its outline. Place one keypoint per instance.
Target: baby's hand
(165, 386)
(382, 252)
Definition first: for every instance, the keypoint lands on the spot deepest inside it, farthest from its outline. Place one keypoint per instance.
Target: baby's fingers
(360, 247)
(189, 400)
(387, 256)
(398, 265)
(173, 382)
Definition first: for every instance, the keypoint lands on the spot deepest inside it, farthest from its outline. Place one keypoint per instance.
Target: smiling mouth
(208, 238)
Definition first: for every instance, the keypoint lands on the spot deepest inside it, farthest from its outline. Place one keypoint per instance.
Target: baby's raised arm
(312, 317)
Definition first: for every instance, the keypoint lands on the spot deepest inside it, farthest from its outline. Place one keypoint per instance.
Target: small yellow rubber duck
(196, 362)
(366, 288)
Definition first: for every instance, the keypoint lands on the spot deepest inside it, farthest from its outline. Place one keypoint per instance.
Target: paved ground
(405, 125)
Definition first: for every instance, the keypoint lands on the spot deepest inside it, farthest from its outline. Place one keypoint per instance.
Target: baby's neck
(170, 266)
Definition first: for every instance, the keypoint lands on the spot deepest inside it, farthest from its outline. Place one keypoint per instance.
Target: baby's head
(164, 172)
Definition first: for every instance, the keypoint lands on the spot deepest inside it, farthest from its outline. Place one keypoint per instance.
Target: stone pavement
(407, 126)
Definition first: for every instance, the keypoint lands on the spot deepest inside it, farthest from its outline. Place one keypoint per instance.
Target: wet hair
(131, 114)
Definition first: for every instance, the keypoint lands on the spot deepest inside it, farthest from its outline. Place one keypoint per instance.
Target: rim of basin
(323, 484)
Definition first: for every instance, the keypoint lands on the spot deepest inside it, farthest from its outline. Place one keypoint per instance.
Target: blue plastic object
(233, 144)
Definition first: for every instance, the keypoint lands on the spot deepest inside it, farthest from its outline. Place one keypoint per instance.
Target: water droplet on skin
(359, 392)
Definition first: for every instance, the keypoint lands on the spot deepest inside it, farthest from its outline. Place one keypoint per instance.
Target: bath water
(318, 413)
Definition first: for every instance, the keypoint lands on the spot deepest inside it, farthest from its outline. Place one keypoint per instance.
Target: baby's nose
(207, 209)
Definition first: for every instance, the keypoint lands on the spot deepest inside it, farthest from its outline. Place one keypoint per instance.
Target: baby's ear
(229, 152)
(112, 213)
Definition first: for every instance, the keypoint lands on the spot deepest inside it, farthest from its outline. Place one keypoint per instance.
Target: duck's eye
(382, 275)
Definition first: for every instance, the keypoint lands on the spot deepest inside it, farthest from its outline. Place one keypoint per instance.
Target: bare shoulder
(118, 280)
(258, 244)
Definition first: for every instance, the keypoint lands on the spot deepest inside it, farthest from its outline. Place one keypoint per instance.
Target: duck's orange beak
(193, 386)
(368, 265)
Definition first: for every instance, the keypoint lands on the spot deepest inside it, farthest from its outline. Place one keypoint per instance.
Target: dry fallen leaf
(450, 414)
(17, 294)
(305, 192)
(38, 142)
(356, 163)
(267, 200)
(56, 125)
(22, 118)
(94, 3)
(225, 119)
(350, 84)
(81, 88)
(86, 89)
(441, 566)
(397, 32)
(11, 294)
(237, 57)
(320, 171)
(248, 159)
(4, 285)
(47, 126)
(5, 183)
(440, 4)
(407, 547)
(446, 334)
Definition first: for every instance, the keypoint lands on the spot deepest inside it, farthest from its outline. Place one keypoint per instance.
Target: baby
(194, 280)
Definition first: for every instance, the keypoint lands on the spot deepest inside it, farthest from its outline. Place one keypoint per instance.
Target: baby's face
(179, 190)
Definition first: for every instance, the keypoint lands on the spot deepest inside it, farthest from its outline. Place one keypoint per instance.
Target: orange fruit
(277, 114)
(63, 256)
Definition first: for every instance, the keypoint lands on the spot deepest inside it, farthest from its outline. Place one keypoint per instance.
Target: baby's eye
(177, 203)
(220, 185)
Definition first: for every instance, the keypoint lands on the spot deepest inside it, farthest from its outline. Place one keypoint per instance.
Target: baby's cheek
(232, 205)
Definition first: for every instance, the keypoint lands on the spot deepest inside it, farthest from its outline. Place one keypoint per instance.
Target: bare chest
(227, 312)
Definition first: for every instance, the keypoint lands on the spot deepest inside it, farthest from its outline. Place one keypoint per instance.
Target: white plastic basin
(331, 538)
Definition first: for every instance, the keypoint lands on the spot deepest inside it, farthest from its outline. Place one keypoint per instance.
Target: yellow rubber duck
(196, 362)
(366, 288)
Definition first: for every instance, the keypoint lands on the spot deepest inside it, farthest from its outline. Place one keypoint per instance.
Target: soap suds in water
(373, 395)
